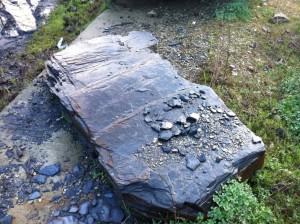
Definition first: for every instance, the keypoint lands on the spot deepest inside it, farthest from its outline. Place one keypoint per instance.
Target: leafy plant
(235, 203)
(233, 10)
(289, 107)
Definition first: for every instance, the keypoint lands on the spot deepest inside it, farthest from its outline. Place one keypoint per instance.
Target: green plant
(289, 106)
(235, 203)
(233, 10)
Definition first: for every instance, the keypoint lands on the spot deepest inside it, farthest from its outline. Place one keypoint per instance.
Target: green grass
(233, 10)
(62, 22)
(267, 100)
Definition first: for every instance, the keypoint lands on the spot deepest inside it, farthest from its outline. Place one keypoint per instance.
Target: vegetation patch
(233, 10)
(67, 20)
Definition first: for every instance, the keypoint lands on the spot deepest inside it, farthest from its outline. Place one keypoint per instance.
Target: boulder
(166, 143)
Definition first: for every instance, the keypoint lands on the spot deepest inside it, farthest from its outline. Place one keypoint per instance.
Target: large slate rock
(124, 97)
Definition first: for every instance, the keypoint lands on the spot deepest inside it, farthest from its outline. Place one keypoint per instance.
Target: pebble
(73, 209)
(64, 220)
(192, 162)
(39, 179)
(166, 149)
(175, 103)
(34, 195)
(165, 135)
(193, 117)
(87, 187)
(148, 119)
(166, 125)
(202, 158)
(174, 43)
(184, 98)
(256, 139)
(50, 170)
(84, 208)
(230, 114)
(117, 215)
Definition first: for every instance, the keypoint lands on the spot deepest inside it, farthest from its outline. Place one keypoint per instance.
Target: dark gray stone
(112, 118)
(116, 215)
(87, 187)
(50, 170)
(202, 158)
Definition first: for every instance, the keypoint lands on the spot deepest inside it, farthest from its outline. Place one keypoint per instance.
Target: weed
(233, 10)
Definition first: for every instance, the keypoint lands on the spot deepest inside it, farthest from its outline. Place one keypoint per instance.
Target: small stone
(277, 117)
(166, 149)
(192, 162)
(218, 159)
(155, 127)
(55, 198)
(148, 119)
(165, 135)
(34, 195)
(87, 187)
(10, 153)
(230, 114)
(166, 125)
(193, 117)
(182, 151)
(39, 179)
(174, 150)
(175, 103)
(50, 170)
(167, 108)
(219, 110)
(202, 158)
(176, 131)
(6, 219)
(181, 120)
(116, 215)
(146, 110)
(201, 91)
(279, 18)
(84, 208)
(256, 139)
(184, 98)
(73, 209)
(174, 43)
(152, 14)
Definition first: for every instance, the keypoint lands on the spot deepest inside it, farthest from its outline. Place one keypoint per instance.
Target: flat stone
(87, 187)
(34, 195)
(39, 179)
(165, 135)
(73, 209)
(193, 117)
(50, 170)
(84, 208)
(166, 125)
(230, 114)
(192, 162)
(112, 118)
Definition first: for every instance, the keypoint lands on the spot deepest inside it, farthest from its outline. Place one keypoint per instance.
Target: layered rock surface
(166, 144)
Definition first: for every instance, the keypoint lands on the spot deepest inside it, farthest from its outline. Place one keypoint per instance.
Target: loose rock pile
(166, 144)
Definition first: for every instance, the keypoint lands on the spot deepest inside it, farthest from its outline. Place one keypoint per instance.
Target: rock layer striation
(166, 143)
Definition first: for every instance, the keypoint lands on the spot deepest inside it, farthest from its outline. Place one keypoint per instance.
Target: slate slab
(119, 93)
